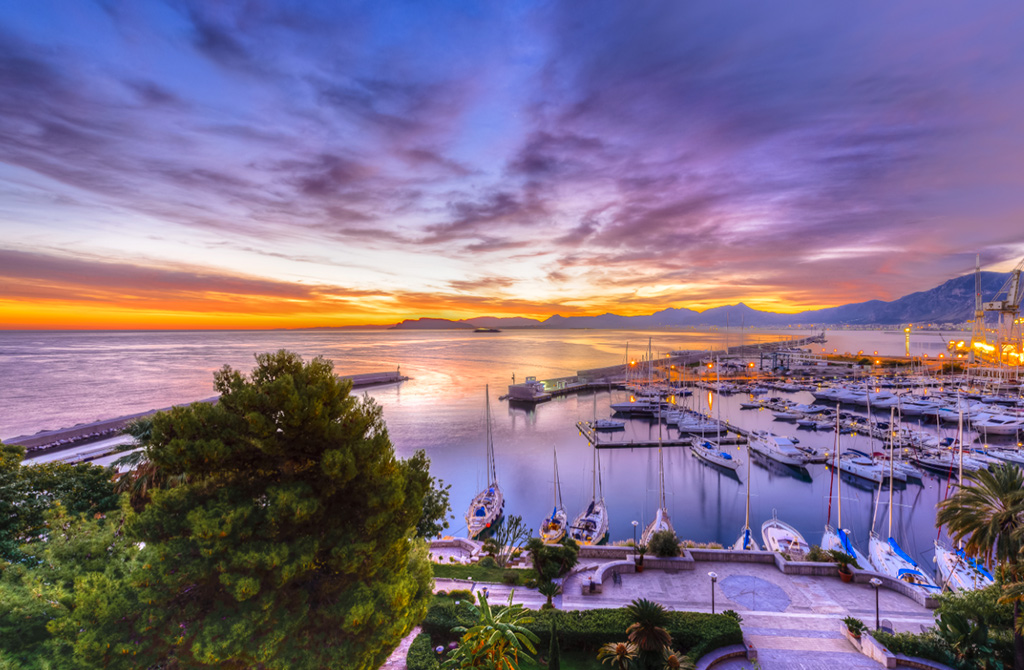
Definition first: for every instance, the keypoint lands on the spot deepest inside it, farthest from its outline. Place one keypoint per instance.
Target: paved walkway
(792, 620)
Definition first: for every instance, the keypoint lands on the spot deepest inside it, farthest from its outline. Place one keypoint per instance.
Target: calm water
(57, 379)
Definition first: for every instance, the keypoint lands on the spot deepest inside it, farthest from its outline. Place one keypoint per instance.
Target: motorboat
(608, 424)
(487, 506)
(781, 537)
(776, 447)
(711, 452)
(787, 415)
(999, 425)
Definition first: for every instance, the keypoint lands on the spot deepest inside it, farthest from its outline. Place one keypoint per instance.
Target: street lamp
(635, 523)
(876, 582)
(714, 578)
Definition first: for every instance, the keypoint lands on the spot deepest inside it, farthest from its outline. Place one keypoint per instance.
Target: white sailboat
(710, 450)
(552, 530)
(839, 537)
(955, 570)
(591, 525)
(888, 557)
(661, 519)
(487, 506)
(746, 541)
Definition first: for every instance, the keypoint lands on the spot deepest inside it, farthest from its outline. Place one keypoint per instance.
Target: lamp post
(876, 582)
(714, 578)
(635, 524)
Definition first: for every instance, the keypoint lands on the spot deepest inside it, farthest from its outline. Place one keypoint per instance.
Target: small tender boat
(781, 537)
(608, 424)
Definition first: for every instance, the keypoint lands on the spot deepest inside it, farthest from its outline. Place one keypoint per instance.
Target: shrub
(421, 654)
(818, 555)
(552, 561)
(510, 578)
(462, 595)
(714, 545)
(854, 625)
(488, 562)
(926, 645)
(664, 544)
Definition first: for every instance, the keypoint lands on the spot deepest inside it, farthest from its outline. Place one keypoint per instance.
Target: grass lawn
(578, 660)
(480, 574)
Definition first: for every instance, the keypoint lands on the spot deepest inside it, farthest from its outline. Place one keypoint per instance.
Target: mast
(490, 438)
(839, 476)
(890, 471)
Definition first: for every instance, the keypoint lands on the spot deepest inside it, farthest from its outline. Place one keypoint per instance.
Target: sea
(56, 379)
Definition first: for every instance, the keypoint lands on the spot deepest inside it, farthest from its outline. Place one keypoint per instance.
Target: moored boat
(487, 506)
(781, 537)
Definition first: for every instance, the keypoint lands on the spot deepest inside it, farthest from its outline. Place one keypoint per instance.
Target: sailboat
(487, 506)
(746, 541)
(954, 568)
(711, 451)
(591, 526)
(838, 537)
(553, 528)
(661, 519)
(888, 557)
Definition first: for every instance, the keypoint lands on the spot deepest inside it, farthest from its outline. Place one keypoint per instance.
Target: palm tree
(549, 589)
(673, 660)
(988, 511)
(499, 640)
(647, 631)
(143, 475)
(621, 655)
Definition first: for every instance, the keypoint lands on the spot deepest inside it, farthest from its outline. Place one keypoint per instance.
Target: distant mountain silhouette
(952, 302)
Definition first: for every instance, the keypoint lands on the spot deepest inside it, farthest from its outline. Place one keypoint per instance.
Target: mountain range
(951, 302)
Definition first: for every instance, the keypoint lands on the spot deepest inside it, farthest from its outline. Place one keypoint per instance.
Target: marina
(440, 409)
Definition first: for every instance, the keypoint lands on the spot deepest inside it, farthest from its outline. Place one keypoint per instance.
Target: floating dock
(593, 436)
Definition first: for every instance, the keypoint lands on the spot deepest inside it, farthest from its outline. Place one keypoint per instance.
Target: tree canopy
(286, 543)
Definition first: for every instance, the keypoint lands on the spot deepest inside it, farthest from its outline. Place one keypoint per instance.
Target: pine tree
(287, 544)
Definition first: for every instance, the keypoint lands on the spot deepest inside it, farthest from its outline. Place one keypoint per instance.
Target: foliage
(641, 551)
(478, 573)
(694, 633)
(620, 655)
(968, 640)
(854, 625)
(733, 614)
(28, 491)
(462, 595)
(487, 562)
(818, 555)
(38, 594)
(647, 631)
(926, 645)
(664, 544)
(421, 654)
(288, 544)
(549, 590)
(843, 559)
(988, 511)
(509, 535)
(143, 474)
(554, 660)
(553, 560)
(673, 660)
(498, 640)
(436, 509)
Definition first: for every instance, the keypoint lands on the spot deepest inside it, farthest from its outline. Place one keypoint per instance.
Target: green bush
(818, 555)
(511, 578)
(463, 595)
(488, 562)
(421, 654)
(693, 633)
(926, 645)
(664, 544)
(553, 560)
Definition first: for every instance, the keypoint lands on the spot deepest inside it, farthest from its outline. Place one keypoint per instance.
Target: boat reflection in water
(797, 472)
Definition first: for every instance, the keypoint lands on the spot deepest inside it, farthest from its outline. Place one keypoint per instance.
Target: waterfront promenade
(792, 620)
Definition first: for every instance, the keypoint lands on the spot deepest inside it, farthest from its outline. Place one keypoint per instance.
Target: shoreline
(45, 441)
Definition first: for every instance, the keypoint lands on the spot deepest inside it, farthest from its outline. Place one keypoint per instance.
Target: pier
(76, 437)
(593, 437)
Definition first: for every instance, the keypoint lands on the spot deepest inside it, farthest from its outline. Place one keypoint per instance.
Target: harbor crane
(1006, 303)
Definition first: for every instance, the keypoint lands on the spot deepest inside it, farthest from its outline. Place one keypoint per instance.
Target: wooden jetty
(593, 436)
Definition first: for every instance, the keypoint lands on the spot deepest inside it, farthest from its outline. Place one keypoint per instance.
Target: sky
(291, 164)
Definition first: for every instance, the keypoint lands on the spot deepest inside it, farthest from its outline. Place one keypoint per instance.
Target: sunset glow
(190, 165)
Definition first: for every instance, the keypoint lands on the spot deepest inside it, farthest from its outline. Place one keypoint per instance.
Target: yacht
(608, 424)
(999, 425)
(661, 518)
(552, 530)
(776, 447)
(590, 527)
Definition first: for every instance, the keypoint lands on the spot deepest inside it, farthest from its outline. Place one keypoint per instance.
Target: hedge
(692, 633)
(421, 654)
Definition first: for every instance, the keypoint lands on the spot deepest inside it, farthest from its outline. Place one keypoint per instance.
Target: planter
(846, 576)
(639, 567)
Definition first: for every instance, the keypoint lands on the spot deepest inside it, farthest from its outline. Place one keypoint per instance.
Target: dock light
(710, 365)
(878, 362)
(714, 578)
(876, 582)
